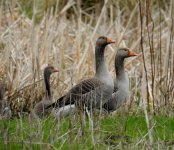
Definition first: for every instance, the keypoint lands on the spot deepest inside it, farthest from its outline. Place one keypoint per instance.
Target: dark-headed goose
(121, 84)
(39, 110)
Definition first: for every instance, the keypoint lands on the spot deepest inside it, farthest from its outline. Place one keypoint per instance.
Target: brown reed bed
(66, 38)
(63, 33)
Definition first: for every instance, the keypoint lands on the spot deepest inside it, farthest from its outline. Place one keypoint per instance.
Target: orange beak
(109, 41)
(131, 53)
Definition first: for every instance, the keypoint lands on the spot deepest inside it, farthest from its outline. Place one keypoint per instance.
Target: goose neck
(47, 85)
(119, 66)
(100, 60)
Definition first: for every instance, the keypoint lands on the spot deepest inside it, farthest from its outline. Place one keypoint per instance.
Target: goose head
(103, 41)
(49, 70)
(125, 53)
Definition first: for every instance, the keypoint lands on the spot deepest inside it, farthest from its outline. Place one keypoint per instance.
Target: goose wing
(82, 90)
(86, 86)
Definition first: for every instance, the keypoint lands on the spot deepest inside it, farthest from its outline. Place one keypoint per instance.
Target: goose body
(40, 110)
(120, 95)
(121, 83)
(92, 92)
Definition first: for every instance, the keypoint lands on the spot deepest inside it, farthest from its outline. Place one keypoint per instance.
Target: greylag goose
(92, 92)
(121, 84)
(39, 110)
(5, 111)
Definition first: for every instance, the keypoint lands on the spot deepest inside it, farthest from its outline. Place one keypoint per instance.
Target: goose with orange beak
(121, 84)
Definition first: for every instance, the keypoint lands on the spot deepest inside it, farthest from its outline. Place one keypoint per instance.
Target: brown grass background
(36, 33)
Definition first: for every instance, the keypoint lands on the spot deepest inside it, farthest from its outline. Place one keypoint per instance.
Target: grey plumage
(40, 110)
(64, 111)
(95, 91)
(121, 83)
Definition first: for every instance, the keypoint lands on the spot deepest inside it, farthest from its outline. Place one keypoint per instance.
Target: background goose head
(125, 53)
(103, 41)
(49, 70)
